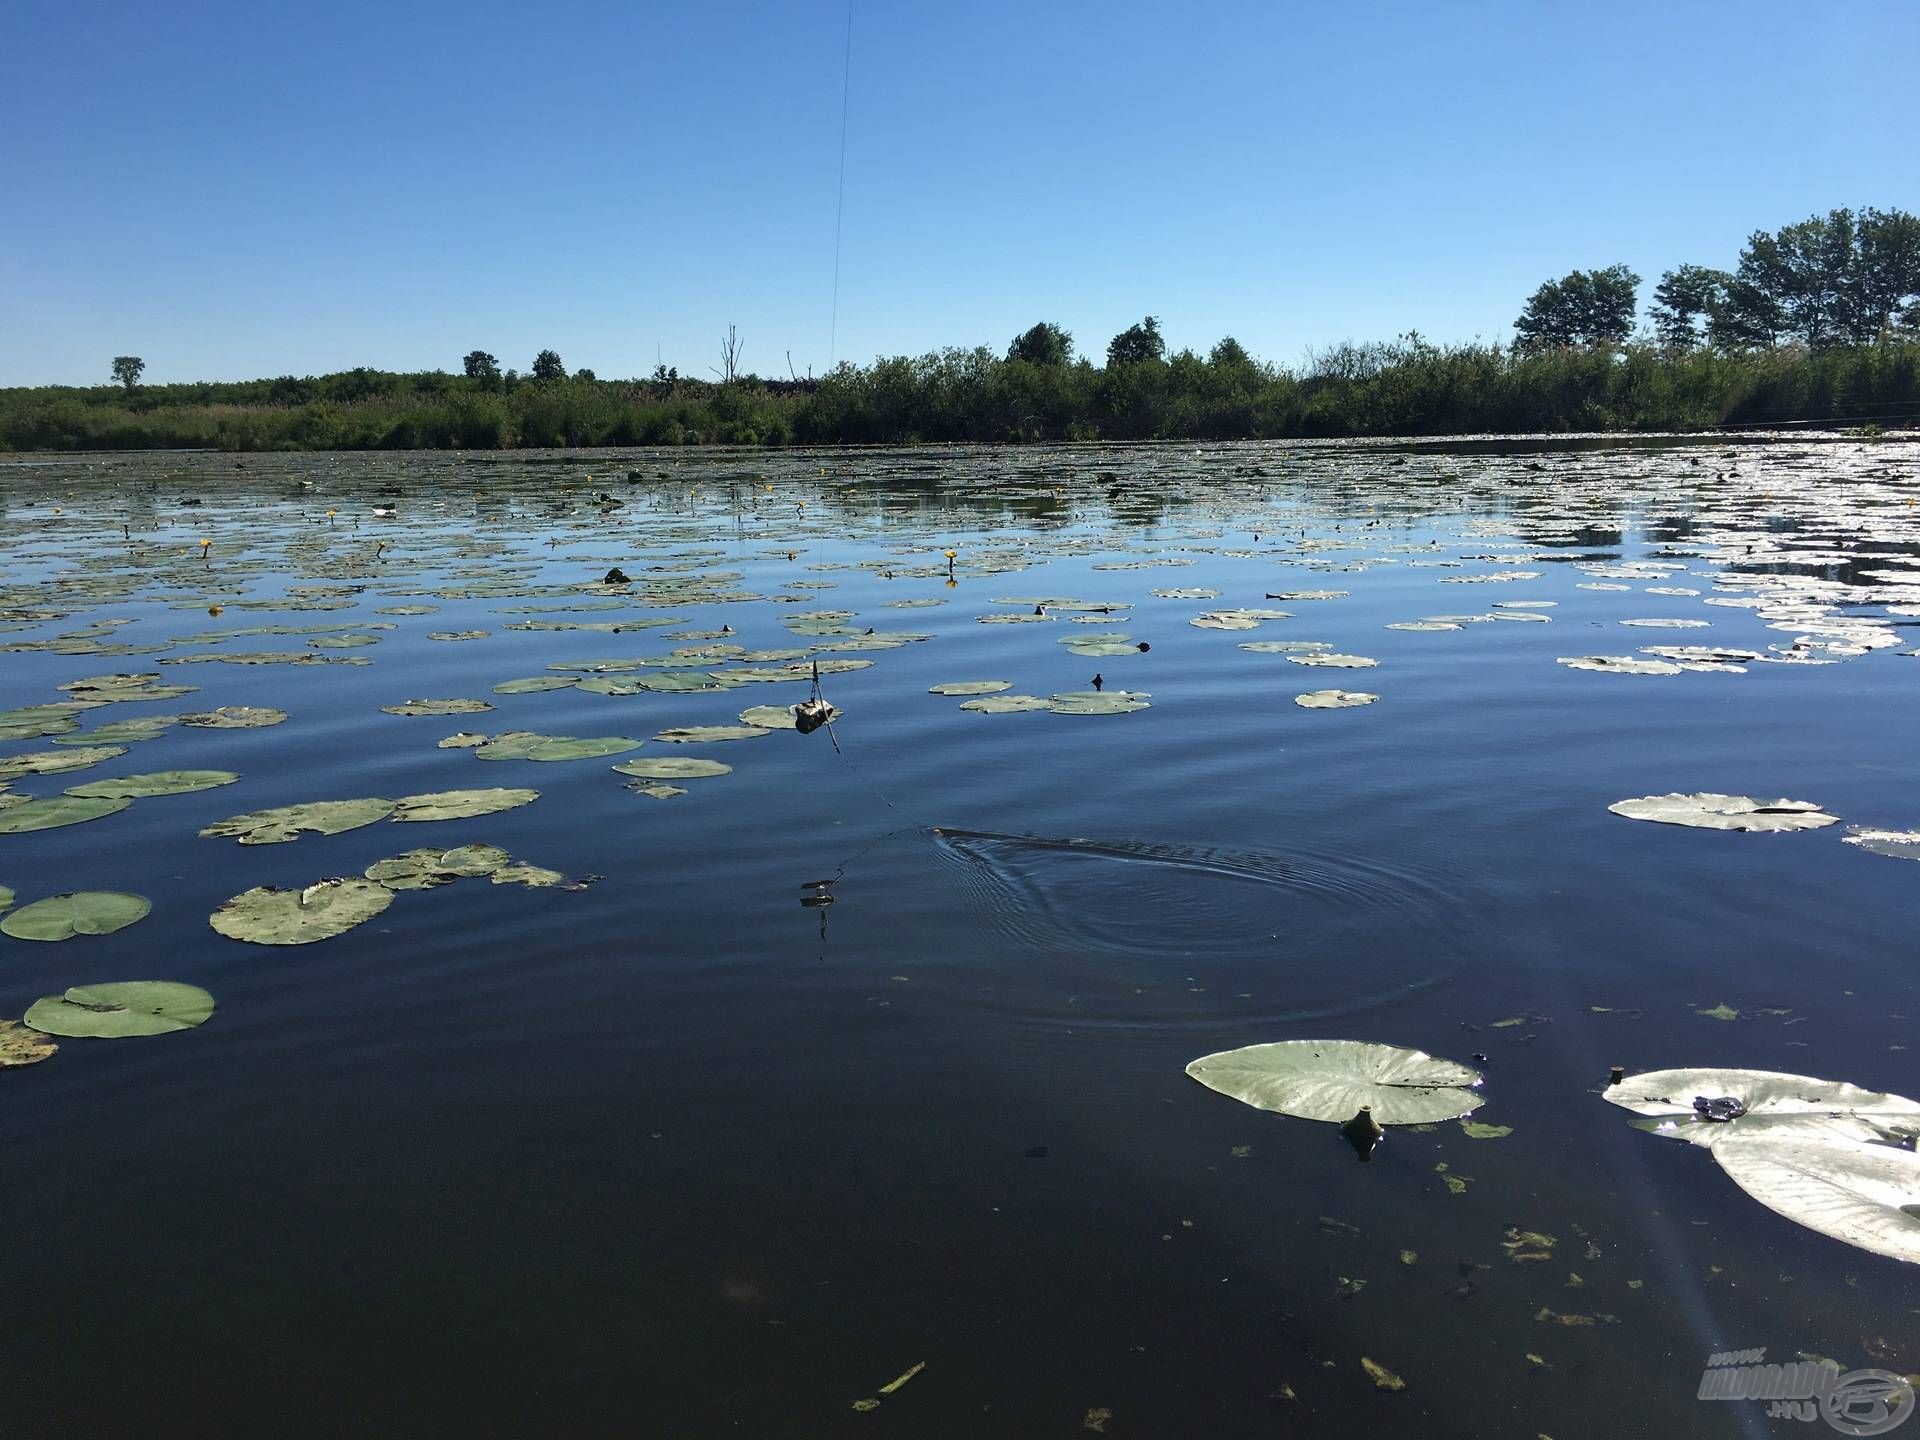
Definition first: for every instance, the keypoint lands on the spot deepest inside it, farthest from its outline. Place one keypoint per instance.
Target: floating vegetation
(1620, 664)
(1333, 1080)
(1096, 702)
(235, 717)
(438, 707)
(672, 767)
(530, 745)
(54, 812)
(123, 1008)
(21, 1045)
(57, 762)
(1334, 661)
(159, 782)
(1005, 704)
(1707, 811)
(1896, 844)
(1827, 1155)
(427, 868)
(77, 912)
(460, 804)
(1333, 699)
(269, 915)
(706, 734)
(290, 822)
(970, 687)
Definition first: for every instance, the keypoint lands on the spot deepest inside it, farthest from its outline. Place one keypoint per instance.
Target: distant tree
(1684, 303)
(511, 379)
(126, 369)
(1137, 343)
(547, 366)
(732, 345)
(1886, 281)
(481, 366)
(664, 380)
(584, 374)
(1802, 272)
(1229, 351)
(1044, 344)
(1587, 307)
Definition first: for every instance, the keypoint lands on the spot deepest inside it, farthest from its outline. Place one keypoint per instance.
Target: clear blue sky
(235, 190)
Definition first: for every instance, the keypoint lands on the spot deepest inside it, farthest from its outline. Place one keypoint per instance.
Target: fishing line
(840, 200)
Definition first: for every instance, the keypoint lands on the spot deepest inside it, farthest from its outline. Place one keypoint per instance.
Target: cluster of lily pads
(1825, 1154)
(1710, 811)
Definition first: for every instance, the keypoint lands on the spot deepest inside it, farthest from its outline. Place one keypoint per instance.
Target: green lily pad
(6, 898)
(657, 790)
(460, 804)
(56, 811)
(56, 762)
(268, 915)
(290, 822)
(159, 782)
(970, 687)
(672, 767)
(1331, 1080)
(529, 745)
(120, 1009)
(78, 912)
(534, 877)
(235, 717)
(427, 868)
(438, 707)
(1005, 704)
(533, 685)
(703, 734)
(22, 1046)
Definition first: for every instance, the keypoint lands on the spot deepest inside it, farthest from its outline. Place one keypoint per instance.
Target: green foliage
(481, 366)
(126, 370)
(1137, 344)
(1586, 307)
(1044, 344)
(547, 366)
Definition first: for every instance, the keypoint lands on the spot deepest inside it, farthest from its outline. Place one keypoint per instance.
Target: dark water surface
(667, 1156)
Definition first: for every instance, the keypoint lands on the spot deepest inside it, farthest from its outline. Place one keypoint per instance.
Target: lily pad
(235, 717)
(290, 822)
(1098, 702)
(1828, 1155)
(970, 687)
(1333, 699)
(427, 868)
(159, 782)
(528, 745)
(268, 915)
(1707, 811)
(123, 1008)
(703, 734)
(672, 767)
(1006, 704)
(1334, 661)
(56, 811)
(1897, 844)
(77, 912)
(20, 1045)
(534, 685)
(438, 707)
(1331, 1079)
(460, 804)
(56, 762)
(1620, 664)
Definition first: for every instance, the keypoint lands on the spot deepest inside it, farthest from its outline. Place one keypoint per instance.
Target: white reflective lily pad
(1898, 844)
(970, 687)
(1707, 811)
(1331, 1079)
(1831, 1156)
(1333, 699)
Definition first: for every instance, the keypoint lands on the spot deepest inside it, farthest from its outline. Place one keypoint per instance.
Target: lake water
(678, 1154)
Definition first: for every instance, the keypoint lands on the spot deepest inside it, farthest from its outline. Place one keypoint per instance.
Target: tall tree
(1044, 344)
(1684, 303)
(547, 366)
(1137, 343)
(1804, 272)
(481, 366)
(1586, 307)
(1886, 275)
(126, 369)
(1229, 351)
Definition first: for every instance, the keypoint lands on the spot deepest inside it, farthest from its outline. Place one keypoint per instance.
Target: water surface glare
(689, 1152)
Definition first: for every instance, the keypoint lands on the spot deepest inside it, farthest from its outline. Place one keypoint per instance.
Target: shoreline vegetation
(1818, 325)
(1403, 388)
